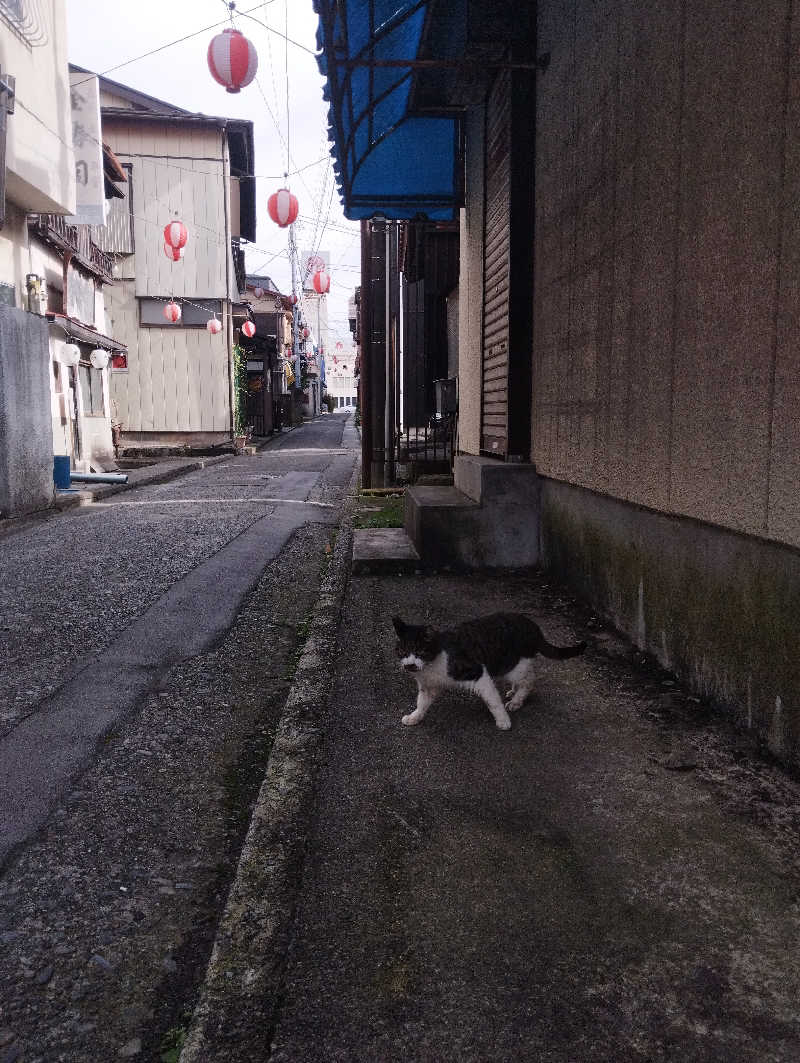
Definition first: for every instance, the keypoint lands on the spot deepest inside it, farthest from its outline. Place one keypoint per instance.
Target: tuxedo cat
(471, 656)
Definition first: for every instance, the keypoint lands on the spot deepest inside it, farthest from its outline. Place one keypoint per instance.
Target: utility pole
(295, 309)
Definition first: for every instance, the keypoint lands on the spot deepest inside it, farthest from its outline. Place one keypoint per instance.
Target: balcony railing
(75, 238)
(238, 266)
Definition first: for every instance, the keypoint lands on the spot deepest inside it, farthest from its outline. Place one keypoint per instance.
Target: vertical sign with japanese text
(87, 142)
(310, 263)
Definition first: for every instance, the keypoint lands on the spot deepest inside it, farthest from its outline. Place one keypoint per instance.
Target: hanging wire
(196, 33)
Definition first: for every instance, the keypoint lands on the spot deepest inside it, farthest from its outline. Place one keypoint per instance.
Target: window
(194, 313)
(91, 381)
(28, 20)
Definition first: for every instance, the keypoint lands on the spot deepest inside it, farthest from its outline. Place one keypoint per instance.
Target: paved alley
(148, 641)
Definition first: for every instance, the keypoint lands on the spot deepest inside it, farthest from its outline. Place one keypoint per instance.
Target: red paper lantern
(322, 282)
(293, 299)
(306, 333)
(175, 254)
(248, 329)
(258, 293)
(214, 325)
(283, 207)
(175, 234)
(232, 60)
(172, 312)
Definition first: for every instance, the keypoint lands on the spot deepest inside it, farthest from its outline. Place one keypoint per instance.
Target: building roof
(239, 132)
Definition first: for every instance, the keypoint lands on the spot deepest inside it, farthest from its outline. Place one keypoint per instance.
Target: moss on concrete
(718, 609)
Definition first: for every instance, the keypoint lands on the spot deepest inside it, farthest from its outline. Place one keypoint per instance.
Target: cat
(471, 656)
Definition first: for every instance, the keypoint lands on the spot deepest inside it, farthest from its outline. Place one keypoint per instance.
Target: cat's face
(416, 645)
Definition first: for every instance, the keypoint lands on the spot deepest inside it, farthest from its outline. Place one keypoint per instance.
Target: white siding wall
(177, 378)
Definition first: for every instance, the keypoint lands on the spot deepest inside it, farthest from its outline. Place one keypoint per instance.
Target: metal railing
(75, 238)
(238, 265)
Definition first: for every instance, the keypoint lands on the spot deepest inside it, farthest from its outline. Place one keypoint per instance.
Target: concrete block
(381, 550)
(26, 428)
(449, 528)
(488, 481)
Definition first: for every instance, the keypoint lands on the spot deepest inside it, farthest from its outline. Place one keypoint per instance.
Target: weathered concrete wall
(666, 362)
(26, 436)
(716, 607)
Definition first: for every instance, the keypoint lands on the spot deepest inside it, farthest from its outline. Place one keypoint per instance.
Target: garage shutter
(497, 267)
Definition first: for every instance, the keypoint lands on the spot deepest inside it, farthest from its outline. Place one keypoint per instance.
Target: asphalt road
(98, 603)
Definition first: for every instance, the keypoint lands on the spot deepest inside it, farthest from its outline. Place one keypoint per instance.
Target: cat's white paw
(409, 720)
(504, 724)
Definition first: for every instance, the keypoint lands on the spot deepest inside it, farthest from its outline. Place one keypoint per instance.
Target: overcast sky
(179, 74)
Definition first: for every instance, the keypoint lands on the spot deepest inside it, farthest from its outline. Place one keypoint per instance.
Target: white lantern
(99, 358)
(71, 354)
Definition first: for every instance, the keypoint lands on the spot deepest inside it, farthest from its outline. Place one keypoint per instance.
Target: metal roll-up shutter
(497, 264)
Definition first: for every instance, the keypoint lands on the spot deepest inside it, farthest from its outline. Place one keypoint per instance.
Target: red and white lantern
(248, 329)
(174, 254)
(214, 325)
(283, 207)
(293, 299)
(322, 282)
(172, 312)
(258, 293)
(306, 333)
(339, 346)
(175, 235)
(232, 60)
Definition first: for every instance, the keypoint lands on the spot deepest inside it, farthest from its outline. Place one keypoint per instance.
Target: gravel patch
(107, 921)
(81, 579)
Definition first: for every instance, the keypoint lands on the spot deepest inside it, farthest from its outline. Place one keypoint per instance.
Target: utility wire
(189, 36)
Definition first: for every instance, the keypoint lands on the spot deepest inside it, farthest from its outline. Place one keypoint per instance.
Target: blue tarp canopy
(387, 160)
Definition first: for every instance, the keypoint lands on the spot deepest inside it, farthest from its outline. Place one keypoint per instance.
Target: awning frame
(350, 111)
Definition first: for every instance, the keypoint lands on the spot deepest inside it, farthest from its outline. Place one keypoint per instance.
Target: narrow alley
(138, 705)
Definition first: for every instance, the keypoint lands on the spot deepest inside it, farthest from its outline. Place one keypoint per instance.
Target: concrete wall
(26, 438)
(666, 366)
(718, 608)
(40, 161)
(470, 288)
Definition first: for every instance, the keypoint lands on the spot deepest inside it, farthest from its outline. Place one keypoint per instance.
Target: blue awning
(387, 160)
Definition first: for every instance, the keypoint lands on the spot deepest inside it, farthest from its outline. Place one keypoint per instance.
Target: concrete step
(383, 551)
(440, 520)
(490, 518)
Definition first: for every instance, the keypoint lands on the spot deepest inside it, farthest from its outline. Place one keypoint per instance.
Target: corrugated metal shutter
(497, 264)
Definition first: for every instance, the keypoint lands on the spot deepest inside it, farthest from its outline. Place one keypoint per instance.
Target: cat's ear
(399, 626)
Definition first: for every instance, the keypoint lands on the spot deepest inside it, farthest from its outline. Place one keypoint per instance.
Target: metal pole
(295, 310)
(388, 414)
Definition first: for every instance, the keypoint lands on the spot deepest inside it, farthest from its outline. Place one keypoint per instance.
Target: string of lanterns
(233, 63)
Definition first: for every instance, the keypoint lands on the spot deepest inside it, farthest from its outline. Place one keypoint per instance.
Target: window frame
(182, 303)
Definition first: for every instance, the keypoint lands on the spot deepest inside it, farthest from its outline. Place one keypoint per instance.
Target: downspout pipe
(98, 477)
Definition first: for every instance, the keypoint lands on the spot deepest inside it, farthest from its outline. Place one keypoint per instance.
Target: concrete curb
(86, 497)
(160, 473)
(241, 995)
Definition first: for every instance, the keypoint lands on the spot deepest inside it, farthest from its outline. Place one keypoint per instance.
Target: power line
(189, 36)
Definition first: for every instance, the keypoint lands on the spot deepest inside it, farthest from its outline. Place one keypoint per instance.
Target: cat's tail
(559, 653)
